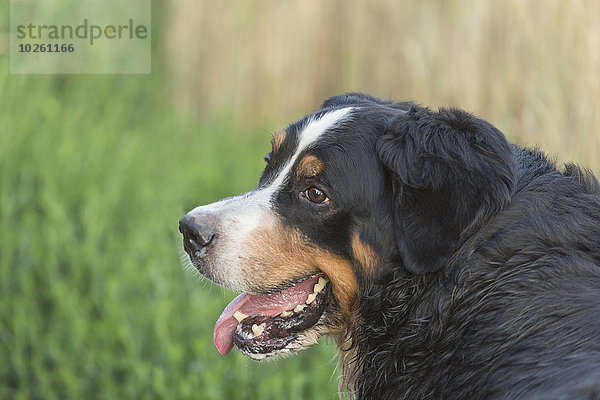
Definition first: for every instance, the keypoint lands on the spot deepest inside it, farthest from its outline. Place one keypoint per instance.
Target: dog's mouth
(274, 324)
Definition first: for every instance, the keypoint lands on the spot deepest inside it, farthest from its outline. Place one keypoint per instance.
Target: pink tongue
(267, 304)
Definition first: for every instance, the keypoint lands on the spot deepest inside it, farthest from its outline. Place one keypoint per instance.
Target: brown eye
(315, 195)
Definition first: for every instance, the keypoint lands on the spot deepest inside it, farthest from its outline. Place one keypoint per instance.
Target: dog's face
(309, 220)
(345, 195)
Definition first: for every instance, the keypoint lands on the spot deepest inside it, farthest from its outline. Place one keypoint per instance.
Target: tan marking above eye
(309, 166)
(278, 139)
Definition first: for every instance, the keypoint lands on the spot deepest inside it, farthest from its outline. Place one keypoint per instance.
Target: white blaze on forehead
(313, 129)
(311, 132)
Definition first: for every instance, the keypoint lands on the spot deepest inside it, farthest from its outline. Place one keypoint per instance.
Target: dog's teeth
(257, 329)
(285, 313)
(311, 297)
(320, 285)
(299, 307)
(240, 316)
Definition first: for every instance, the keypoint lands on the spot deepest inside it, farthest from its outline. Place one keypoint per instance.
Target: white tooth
(299, 307)
(320, 285)
(257, 329)
(285, 313)
(311, 298)
(240, 316)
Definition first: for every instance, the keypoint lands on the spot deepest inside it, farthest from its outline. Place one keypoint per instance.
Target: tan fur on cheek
(364, 255)
(274, 257)
(277, 140)
(277, 255)
(343, 281)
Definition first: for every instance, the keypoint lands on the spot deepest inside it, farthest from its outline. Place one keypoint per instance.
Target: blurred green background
(95, 171)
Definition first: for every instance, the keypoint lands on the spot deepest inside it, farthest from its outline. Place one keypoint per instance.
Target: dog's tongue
(267, 305)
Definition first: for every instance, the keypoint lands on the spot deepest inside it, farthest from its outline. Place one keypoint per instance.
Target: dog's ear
(451, 171)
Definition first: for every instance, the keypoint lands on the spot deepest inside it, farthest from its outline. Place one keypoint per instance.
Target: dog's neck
(399, 320)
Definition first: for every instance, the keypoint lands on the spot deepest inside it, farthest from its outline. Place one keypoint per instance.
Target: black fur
(489, 287)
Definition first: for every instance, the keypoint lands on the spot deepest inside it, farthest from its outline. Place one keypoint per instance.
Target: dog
(445, 262)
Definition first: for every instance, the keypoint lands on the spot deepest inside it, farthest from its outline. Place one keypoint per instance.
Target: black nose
(197, 233)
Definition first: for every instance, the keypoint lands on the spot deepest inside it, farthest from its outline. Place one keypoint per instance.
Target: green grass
(94, 303)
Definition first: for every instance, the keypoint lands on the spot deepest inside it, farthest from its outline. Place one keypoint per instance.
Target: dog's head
(357, 188)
